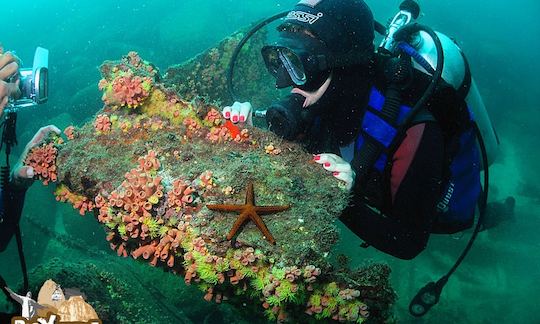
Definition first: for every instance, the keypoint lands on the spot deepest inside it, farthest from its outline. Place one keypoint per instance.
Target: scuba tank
(456, 73)
(455, 70)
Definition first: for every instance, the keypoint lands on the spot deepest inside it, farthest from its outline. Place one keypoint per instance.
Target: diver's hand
(8, 90)
(23, 175)
(239, 112)
(340, 168)
(4, 95)
(9, 65)
(9, 69)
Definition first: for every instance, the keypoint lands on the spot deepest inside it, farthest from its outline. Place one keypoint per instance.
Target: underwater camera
(34, 83)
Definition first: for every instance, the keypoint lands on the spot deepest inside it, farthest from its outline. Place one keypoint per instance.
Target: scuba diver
(14, 185)
(409, 155)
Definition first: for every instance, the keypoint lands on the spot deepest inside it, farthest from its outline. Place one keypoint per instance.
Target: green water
(498, 282)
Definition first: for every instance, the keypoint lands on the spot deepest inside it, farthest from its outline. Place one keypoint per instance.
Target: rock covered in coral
(129, 83)
(148, 171)
(170, 161)
(206, 74)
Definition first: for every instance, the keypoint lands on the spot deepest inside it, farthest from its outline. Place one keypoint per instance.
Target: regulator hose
(243, 41)
(403, 35)
(411, 51)
(429, 295)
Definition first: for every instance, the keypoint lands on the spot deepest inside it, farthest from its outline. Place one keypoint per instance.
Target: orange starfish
(249, 211)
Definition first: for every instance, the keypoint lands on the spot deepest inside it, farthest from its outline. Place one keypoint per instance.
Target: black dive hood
(345, 27)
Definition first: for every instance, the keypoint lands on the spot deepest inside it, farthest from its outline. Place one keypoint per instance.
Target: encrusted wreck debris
(150, 167)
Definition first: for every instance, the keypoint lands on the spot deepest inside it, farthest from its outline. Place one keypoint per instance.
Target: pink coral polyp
(43, 160)
(130, 91)
(102, 123)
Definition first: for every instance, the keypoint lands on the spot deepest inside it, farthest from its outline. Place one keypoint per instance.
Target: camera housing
(34, 83)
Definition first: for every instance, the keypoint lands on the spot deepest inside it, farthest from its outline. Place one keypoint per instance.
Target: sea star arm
(250, 195)
(264, 210)
(262, 227)
(237, 225)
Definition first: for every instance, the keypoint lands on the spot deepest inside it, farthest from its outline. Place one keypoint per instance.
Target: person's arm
(13, 196)
(35, 304)
(14, 296)
(416, 183)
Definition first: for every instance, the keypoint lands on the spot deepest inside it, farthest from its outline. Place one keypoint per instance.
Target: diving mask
(296, 62)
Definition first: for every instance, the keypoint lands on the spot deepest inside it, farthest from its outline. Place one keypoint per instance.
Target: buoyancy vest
(461, 189)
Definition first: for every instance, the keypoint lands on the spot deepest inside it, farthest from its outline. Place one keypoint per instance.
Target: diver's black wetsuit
(11, 209)
(393, 212)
